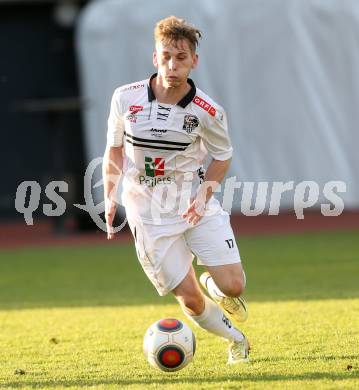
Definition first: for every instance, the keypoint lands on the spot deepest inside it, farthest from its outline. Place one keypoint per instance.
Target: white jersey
(163, 148)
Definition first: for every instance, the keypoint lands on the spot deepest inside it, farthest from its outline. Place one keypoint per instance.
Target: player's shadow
(235, 378)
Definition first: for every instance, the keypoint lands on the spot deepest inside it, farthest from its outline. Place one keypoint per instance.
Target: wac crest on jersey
(190, 123)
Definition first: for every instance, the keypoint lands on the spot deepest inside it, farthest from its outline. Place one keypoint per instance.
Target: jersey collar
(183, 102)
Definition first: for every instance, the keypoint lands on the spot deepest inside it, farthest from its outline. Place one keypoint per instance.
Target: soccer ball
(169, 344)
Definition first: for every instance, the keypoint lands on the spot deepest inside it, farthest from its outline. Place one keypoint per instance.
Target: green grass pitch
(75, 318)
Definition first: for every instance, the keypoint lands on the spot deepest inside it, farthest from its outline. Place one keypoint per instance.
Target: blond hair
(173, 29)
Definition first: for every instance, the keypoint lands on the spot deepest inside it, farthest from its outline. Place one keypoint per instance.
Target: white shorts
(166, 251)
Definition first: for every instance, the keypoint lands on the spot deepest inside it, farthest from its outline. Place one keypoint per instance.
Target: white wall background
(286, 71)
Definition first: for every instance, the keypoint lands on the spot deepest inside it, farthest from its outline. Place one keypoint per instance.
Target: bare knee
(192, 304)
(234, 288)
(230, 278)
(189, 294)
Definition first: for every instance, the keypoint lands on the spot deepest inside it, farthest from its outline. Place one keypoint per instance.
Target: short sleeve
(115, 122)
(215, 136)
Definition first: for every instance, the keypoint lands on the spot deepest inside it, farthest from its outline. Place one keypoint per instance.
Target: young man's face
(174, 62)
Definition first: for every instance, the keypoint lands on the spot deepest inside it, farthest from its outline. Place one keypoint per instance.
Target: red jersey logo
(135, 109)
(203, 104)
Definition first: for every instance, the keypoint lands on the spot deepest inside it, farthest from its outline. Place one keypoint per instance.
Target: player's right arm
(113, 160)
(111, 173)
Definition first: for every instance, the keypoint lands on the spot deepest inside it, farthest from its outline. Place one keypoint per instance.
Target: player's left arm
(217, 142)
(215, 173)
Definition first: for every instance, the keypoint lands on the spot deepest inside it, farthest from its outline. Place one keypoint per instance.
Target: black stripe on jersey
(152, 141)
(164, 108)
(154, 146)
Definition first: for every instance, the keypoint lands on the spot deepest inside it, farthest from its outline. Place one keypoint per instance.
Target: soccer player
(157, 132)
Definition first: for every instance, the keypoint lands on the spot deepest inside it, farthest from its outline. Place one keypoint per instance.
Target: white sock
(214, 320)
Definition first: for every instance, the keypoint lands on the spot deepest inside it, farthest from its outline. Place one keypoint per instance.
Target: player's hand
(195, 211)
(110, 212)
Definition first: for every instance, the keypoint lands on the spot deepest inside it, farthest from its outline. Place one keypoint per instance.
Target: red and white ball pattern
(169, 344)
